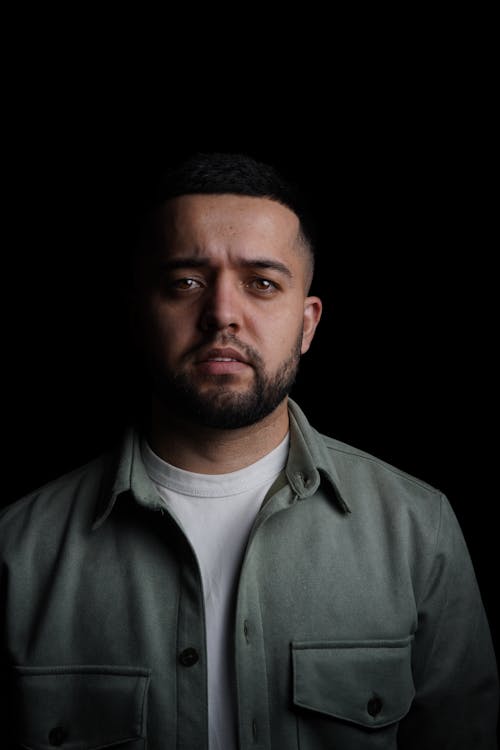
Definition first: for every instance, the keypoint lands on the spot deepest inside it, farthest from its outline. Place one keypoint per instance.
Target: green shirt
(358, 623)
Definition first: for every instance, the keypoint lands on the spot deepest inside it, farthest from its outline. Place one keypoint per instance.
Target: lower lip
(212, 367)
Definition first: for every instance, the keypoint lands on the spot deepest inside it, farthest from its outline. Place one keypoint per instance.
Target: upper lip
(222, 353)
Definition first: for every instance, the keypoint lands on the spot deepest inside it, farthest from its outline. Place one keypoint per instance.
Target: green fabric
(91, 706)
(327, 678)
(358, 621)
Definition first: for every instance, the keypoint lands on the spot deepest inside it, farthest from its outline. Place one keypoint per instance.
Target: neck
(207, 450)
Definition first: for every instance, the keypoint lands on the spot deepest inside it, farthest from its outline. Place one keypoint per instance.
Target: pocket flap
(365, 682)
(78, 707)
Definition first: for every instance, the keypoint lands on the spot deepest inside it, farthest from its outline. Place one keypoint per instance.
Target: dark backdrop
(398, 168)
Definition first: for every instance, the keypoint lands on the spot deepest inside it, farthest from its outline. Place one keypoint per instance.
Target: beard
(220, 405)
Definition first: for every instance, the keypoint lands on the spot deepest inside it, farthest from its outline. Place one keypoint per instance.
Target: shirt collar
(127, 475)
(309, 462)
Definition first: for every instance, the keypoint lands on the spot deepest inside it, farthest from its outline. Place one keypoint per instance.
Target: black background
(393, 140)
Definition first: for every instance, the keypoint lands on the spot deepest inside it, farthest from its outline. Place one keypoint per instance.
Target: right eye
(184, 284)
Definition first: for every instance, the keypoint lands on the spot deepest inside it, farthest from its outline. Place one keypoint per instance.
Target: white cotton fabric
(217, 512)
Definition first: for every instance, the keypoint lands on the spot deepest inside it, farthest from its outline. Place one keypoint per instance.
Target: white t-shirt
(217, 512)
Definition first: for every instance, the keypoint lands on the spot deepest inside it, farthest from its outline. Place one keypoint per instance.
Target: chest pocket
(346, 690)
(79, 707)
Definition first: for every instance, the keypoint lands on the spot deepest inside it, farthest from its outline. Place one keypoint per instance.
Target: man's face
(225, 316)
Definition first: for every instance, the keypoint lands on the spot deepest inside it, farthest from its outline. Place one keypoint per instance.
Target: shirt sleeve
(454, 664)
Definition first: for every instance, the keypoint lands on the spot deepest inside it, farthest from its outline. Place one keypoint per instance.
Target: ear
(312, 314)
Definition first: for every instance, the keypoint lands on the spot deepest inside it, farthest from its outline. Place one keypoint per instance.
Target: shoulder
(376, 489)
(391, 502)
(47, 508)
(362, 479)
(354, 461)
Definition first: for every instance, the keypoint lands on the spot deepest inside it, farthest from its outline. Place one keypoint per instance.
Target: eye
(184, 284)
(265, 286)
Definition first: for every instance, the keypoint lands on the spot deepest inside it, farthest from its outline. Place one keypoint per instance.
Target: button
(57, 735)
(303, 480)
(374, 706)
(188, 657)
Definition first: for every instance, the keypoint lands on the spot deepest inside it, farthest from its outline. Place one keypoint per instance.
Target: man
(230, 578)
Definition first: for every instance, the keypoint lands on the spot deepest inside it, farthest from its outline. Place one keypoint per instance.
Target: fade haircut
(218, 173)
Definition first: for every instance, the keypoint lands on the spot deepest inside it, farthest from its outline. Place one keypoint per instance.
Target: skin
(224, 271)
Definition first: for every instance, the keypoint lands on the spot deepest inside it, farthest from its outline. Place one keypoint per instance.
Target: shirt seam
(384, 465)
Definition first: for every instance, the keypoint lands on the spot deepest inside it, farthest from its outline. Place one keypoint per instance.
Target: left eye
(263, 285)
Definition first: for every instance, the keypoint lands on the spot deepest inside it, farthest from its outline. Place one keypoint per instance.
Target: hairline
(303, 243)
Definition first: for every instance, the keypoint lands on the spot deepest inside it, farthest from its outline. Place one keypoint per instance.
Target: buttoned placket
(302, 479)
(250, 659)
(192, 698)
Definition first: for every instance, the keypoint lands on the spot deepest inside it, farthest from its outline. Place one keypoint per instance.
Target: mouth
(222, 361)
(222, 355)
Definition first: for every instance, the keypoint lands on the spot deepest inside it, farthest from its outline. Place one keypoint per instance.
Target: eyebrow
(258, 263)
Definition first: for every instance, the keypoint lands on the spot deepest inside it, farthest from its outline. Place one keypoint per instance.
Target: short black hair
(212, 173)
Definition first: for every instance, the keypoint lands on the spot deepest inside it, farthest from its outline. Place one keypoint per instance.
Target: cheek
(161, 331)
(162, 316)
(282, 332)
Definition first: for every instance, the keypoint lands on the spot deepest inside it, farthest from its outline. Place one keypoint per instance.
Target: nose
(221, 307)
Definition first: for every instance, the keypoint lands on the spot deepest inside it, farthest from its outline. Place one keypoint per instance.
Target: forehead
(217, 223)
